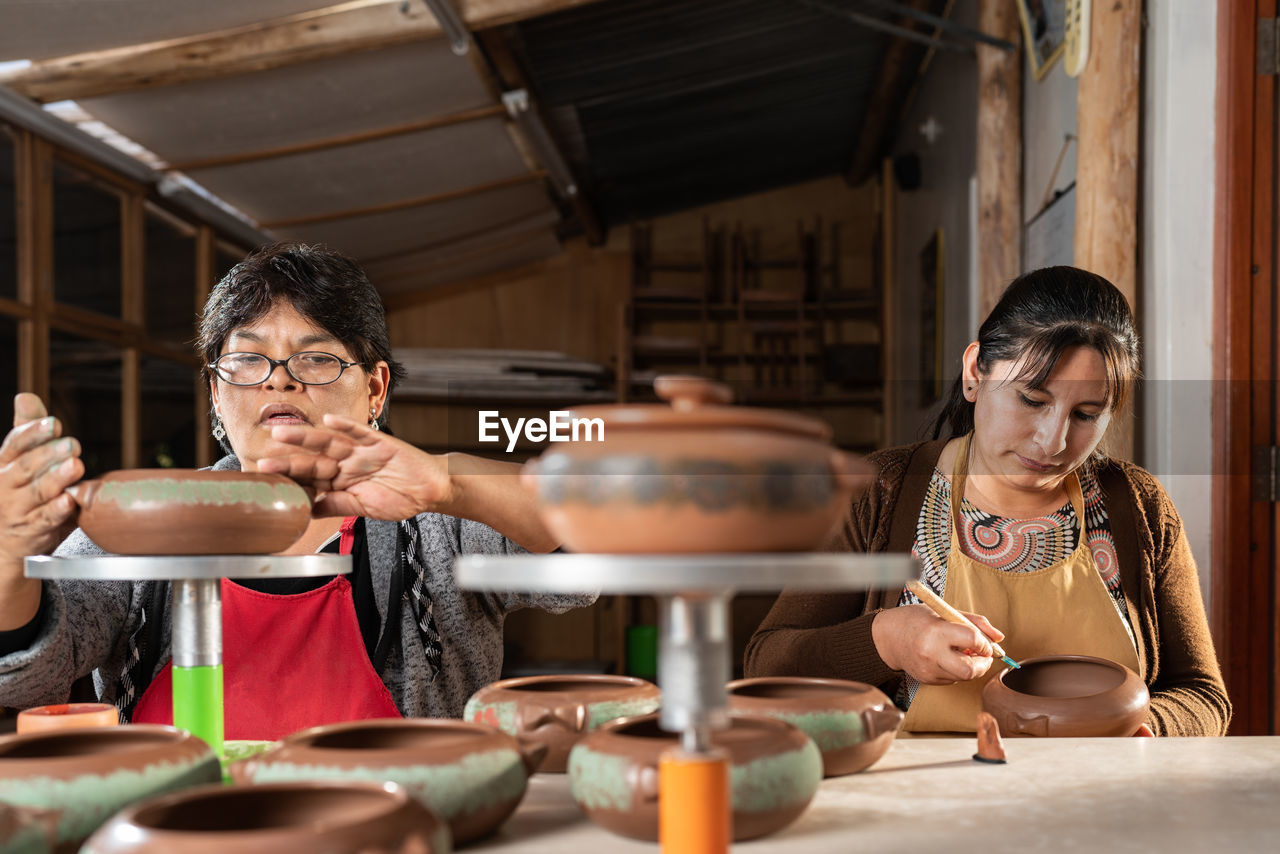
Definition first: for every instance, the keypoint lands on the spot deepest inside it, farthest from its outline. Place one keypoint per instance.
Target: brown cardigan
(829, 634)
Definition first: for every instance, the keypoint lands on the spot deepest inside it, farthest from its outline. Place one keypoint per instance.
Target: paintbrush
(951, 615)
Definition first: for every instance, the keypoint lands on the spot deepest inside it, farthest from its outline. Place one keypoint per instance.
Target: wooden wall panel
(999, 154)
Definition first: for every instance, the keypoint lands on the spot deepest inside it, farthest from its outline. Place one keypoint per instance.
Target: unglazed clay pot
(774, 772)
(88, 774)
(1069, 696)
(558, 710)
(471, 775)
(694, 476)
(283, 818)
(67, 716)
(852, 723)
(185, 512)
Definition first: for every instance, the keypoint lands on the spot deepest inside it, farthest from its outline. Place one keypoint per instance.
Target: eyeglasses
(310, 367)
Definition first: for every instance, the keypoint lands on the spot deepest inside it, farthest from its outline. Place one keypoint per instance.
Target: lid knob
(688, 392)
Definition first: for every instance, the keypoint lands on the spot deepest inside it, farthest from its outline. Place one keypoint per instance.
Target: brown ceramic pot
(85, 775)
(27, 830)
(558, 710)
(852, 723)
(774, 772)
(183, 511)
(1067, 696)
(694, 476)
(282, 818)
(471, 775)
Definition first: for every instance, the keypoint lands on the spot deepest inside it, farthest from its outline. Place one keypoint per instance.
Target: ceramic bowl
(88, 774)
(283, 818)
(67, 716)
(558, 710)
(852, 723)
(695, 476)
(185, 512)
(774, 772)
(471, 775)
(1069, 696)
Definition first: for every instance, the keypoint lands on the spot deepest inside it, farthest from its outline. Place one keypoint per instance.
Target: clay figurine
(990, 749)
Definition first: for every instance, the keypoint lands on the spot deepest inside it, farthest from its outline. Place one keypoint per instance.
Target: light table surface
(928, 795)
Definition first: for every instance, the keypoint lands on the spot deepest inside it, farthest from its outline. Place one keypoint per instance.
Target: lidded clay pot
(189, 512)
(471, 775)
(88, 774)
(852, 723)
(774, 771)
(1070, 696)
(283, 818)
(695, 476)
(558, 710)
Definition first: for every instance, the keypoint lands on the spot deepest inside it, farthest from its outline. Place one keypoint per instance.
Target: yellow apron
(1063, 609)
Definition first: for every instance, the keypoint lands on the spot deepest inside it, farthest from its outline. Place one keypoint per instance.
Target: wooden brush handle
(947, 612)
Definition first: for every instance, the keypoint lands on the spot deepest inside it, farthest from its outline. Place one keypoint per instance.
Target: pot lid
(698, 403)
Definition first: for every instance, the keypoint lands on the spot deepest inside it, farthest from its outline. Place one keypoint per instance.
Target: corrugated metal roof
(667, 104)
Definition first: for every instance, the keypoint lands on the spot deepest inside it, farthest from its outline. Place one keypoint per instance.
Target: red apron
(289, 662)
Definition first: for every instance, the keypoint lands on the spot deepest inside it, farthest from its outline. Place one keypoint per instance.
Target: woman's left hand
(356, 471)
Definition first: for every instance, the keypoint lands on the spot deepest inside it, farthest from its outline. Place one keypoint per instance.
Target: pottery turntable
(693, 593)
(196, 595)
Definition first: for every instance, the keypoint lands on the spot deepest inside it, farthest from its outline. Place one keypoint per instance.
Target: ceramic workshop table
(196, 613)
(1055, 795)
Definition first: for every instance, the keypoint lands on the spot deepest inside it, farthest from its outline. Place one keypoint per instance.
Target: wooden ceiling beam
(350, 27)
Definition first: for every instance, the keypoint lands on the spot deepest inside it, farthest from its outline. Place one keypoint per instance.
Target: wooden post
(888, 312)
(999, 154)
(1106, 235)
(206, 255)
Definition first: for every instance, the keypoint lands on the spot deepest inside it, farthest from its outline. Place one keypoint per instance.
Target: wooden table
(1088, 794)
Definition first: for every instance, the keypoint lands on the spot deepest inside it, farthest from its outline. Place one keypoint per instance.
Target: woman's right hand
(914, 639)
(36, 465)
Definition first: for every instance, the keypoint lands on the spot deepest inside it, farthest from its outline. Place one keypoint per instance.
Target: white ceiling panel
(367, 238)
(39, 29)
(372, 173)
(299, 103)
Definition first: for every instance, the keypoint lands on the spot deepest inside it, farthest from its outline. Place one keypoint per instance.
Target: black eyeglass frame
(275, 363)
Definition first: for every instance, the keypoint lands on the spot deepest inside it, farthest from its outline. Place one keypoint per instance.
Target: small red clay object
(989, 747)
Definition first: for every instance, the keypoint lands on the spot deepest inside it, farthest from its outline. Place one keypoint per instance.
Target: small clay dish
(67, 716)
(852, 723)
(88, 774)
(558, 710)
(471, 775)
(283, 818)
(1070, 696)
(695, 476)
(190, 512)
(774, 772)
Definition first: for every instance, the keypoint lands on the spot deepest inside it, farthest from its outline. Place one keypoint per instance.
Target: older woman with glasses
(298, 360)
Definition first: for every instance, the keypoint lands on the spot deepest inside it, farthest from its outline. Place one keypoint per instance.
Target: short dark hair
(1040, 316)
(324, 286)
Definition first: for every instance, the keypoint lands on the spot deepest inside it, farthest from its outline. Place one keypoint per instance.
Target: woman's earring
(373, 419)
(219, 432)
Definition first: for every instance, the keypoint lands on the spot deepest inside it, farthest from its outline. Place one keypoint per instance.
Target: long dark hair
(324, 286)
(1040, 315)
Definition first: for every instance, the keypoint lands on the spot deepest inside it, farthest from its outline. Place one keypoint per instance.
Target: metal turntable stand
(693, 593)
(196, 614)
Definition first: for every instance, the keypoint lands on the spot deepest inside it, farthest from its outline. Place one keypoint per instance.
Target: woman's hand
(917, 641)
(356, 471)
(36, 465)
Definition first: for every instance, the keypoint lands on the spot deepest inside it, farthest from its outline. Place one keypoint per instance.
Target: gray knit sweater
(87, 625)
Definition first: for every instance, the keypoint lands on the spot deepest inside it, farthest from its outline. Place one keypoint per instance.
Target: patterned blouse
(1009, 545)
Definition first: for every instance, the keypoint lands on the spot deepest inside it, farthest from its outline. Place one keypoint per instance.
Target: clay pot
(558, 710)
(284, 818)
(185, 512)
(471, 775)
(1068, 696)
(67, 716)
(27, 830)
(88, 774)
(852, 723)
(694, 477)
(774, 772)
